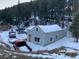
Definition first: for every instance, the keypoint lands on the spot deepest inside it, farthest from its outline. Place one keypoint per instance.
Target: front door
(30, 36)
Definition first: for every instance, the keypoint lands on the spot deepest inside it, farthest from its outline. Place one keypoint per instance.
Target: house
(45, 34)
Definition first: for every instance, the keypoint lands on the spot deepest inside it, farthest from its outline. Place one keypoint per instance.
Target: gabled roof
(47, 28)
(50, 28)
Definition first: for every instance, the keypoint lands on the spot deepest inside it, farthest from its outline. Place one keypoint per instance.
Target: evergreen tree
(53, 9)
(75, 27)
(6, 16)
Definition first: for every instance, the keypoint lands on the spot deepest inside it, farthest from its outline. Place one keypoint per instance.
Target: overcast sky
(9, 3)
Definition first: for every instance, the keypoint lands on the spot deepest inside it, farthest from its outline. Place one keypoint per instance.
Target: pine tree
(75, 27)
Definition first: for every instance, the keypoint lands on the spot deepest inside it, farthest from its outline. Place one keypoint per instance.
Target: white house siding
(45, 37)
(59, 34)
(38, 33)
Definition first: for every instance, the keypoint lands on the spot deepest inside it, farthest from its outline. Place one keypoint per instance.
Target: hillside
(53, 10)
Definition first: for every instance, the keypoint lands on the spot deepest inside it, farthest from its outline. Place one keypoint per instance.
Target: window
(56, 37)
(36, 29)
(37, 39)
(51, 39)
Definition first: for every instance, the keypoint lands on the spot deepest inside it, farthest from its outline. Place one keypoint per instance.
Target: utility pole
(18, 13)
(31, 4)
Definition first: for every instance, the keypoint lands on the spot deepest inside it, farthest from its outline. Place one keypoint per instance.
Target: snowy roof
(47, 28)
(30, 27)
(50, 28)
(32, 17)
(37, 18)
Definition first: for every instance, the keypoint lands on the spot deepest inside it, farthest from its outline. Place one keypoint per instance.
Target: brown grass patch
(58, 50)
(72, 54)
(4, 27)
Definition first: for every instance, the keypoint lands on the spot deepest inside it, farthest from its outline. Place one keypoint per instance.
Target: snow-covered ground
(67, 41)
(4, 37)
